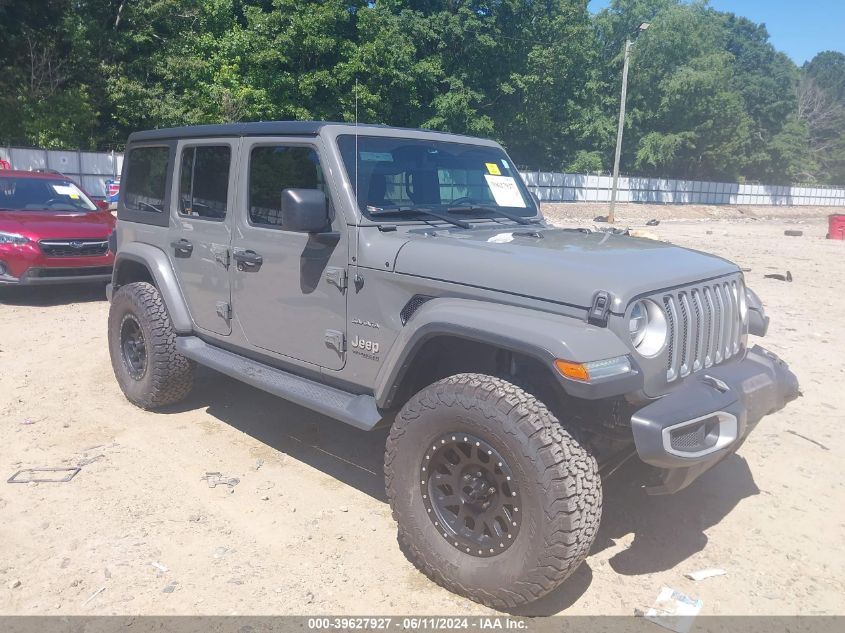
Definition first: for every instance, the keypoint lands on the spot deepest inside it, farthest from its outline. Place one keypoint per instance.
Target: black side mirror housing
(304, 210)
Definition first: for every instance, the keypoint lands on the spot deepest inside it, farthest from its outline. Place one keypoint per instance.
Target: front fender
(541, 335)
(156, 262)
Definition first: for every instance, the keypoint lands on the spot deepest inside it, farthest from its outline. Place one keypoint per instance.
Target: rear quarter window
(146, 180)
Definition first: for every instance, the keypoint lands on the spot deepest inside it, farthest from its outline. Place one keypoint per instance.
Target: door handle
(182, 247)
(248, 259)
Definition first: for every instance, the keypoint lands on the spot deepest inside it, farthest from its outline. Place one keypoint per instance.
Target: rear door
(291, 297)
(200, 236)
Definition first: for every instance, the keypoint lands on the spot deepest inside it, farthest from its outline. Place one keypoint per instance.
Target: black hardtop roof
(258, 128)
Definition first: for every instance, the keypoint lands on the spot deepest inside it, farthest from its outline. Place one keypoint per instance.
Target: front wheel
(142, 345)
(494, 499)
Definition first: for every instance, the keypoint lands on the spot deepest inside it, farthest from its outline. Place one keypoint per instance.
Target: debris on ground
(653, 222)
(218, 479)
(29, 475)
(94, 595)
(701, 574)
(793, 233)
(779, 277)
(160, 567)
(89, 460)
(809, 439)
(674, 610)
(600, 218)
(170, 588)
(259, 463)
(15, 584)
(27, 421)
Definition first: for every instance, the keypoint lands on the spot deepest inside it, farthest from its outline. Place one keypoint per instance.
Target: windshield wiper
(151, 206)
(377, 211)
(479, 207)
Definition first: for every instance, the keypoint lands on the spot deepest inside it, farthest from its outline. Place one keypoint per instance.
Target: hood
(39, 225)
(559, 265)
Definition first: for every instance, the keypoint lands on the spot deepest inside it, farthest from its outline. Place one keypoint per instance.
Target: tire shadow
(668, 529)
(348, 454)
(48, 296)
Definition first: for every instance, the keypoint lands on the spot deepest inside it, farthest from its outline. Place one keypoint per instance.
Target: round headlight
(742, 298)
(647, 327)
(637, 323)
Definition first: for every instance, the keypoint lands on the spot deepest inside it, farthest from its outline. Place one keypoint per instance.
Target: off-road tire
(168, 376)
(560, 489)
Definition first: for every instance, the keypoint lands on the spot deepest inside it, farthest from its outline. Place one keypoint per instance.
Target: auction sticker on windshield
(67, 190)
(505, 191)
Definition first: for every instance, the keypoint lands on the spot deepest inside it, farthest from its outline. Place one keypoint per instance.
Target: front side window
(274, 168)
(390, 173)
(36, 194)
(146, 179)
(204, 181)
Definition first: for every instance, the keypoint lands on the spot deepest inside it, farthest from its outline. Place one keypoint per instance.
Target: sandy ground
(307, 530)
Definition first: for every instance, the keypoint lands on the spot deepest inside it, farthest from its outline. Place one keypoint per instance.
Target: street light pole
(629, 45)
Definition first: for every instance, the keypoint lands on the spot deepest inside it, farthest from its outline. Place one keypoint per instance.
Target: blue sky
(799, 29)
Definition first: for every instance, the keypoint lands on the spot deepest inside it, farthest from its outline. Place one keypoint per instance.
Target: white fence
(93, 169)
(89, 169)
(557, 187)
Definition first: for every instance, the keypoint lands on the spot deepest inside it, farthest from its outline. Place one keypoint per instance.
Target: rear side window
(274, 168)
(204, 181)
(146, 179)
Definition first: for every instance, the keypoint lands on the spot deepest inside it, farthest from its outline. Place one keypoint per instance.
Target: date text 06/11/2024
(430, 623)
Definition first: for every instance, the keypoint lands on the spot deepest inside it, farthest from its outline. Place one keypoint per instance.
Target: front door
(200, 237)
(288, 288)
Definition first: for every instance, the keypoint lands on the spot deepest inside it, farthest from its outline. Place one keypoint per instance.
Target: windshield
(407, 173)
(40, 194)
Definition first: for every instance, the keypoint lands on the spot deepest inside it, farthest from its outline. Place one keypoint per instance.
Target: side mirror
(304, 210)
(102, 205)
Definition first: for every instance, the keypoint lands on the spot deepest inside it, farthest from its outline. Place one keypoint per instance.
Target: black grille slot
(695, 437)
(69, 272)
(412, 306)
(74, 248)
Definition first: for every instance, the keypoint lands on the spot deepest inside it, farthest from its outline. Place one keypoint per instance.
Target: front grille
(705, 326)
(74, 247)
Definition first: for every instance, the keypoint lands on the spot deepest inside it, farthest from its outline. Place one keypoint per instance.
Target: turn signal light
(576, 371)
(593, 370)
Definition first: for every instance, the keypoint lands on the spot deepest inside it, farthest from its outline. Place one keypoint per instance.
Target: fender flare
(156, 262)
(541, 335)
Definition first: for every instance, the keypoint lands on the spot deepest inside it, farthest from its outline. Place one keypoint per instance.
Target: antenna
(357, 279)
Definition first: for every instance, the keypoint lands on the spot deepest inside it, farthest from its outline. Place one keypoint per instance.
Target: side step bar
(358, 410)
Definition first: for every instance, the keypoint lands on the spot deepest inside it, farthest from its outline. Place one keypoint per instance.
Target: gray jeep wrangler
(385, 276)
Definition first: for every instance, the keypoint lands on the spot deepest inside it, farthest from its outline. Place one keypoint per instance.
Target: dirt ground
(308, 531)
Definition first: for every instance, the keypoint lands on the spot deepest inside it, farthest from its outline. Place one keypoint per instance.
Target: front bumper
(688, 431)
(28, 265)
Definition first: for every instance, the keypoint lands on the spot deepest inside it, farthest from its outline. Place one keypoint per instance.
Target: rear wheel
(142, 345)
(494, 499)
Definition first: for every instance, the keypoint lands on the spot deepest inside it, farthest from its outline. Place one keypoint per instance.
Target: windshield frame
(88, 204)
(530, 211)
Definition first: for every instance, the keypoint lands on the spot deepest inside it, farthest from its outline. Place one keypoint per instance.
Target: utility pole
(629, 45)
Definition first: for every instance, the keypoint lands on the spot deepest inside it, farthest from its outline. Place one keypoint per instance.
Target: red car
(51, 231)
